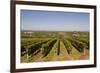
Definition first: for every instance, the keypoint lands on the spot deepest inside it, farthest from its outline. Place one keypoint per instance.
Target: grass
(75, 53)
(52, 56)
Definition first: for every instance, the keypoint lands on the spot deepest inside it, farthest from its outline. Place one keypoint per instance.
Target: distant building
(75, 34)
(28, 32)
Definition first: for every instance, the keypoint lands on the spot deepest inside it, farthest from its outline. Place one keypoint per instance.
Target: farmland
(44, 46)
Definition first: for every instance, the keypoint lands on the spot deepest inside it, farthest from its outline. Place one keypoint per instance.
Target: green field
(44, 46)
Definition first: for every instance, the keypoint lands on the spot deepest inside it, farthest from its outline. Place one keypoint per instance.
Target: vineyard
(54, 46)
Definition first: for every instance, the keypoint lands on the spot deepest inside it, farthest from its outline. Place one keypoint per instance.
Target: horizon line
(58, 30)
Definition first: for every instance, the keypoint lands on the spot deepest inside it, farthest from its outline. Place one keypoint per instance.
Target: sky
(36, 20)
